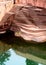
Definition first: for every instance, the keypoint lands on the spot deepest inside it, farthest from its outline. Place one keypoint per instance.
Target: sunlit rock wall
(2, 10)
(5, 6)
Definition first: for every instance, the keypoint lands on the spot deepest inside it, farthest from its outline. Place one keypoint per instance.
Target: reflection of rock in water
(36, 52)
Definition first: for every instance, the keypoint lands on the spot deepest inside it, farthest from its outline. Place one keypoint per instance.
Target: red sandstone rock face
(27, 22)
(40, 3)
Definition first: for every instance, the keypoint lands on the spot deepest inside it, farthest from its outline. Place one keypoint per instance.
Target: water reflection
(14, 59)
(4, 57)
(31, 54)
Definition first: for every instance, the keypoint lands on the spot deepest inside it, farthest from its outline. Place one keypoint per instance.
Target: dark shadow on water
(19, 44)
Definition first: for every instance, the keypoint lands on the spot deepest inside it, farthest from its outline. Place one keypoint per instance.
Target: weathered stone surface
(27, 22)
(40, 3)
(5, 6)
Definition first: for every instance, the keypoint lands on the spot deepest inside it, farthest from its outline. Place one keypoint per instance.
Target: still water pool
(16, 51)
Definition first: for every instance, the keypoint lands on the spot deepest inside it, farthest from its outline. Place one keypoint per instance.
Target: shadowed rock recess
(27, 21)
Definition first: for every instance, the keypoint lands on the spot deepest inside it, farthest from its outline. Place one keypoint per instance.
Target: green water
(15, 50)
